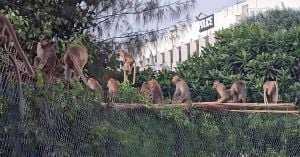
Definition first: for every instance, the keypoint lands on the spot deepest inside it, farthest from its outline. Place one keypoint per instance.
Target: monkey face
(122, 54)
(215, 85)
(175, 79)
(45, 40)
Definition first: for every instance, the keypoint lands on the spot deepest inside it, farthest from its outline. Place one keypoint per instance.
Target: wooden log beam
(209, 106)
(265, 111)
(246, 104)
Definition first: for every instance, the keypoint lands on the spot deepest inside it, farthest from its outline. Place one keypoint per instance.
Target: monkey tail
(265, 97)
(276, 92)
(134, 73)
(17, 44)
(75, 63)
(19, 80)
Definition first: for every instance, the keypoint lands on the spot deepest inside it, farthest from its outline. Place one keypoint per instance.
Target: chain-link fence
(72, 122)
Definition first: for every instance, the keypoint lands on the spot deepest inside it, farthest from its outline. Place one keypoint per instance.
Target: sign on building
(207, 23)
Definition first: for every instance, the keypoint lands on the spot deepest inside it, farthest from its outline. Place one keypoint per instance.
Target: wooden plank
(209, 106)
(226, 104)
(129, 106)
(217, 107)
(245, 104)
(264, 111)
(287, 106)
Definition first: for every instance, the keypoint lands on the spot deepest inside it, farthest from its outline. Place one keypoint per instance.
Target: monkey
(8, 35)
(222, 91)
(128, 64)
(46, 55)
(152, 87)
(145, 89)
(182, 93)
(113, 88)
(93, 84)
(271, 91)
(156, 92)
(75, 59)
(238, 91)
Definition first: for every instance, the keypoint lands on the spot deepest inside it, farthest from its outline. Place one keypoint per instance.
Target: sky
(206, 7)
(212, 6)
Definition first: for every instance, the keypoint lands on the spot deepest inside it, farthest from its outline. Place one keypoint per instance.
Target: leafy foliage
(77, 125)
(249, 53)
(129, 94)
(274, 20)
(255, 51)
(108, 132)
(163, 77)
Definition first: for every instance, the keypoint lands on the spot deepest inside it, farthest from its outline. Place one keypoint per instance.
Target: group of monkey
(76, 57)
(236, 94)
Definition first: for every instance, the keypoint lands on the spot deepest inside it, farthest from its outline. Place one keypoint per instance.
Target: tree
(64, 19)
(274, 20)
(102, 25)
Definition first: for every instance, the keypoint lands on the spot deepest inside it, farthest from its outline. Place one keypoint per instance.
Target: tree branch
(142, 33)
(119, 13)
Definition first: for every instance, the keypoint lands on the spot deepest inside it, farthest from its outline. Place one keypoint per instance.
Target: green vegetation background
(258, 49)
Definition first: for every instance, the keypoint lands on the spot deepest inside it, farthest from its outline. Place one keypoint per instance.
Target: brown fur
(145, 89)
(153, 88)
(238, 91)
(93, 84)
(75, 59)
(222, 91)
(129, 63)
(182, 92)
(270, 91)
(113, 88)
(8, 35)
(46, 55)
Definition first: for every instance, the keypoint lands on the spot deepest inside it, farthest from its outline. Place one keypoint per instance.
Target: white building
(185, 43)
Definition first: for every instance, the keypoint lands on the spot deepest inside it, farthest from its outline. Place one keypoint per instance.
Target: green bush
(255, 51)
(275, 19)
(129, 94)
(163, 77)
(245, 52)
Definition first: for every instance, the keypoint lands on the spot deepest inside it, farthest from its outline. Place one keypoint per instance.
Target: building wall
(223, 19)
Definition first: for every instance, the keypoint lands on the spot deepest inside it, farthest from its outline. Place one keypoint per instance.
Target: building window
(148, 62)
(188, 48)
(163, 57)
(151, 60)
(245, 11)
(179, 53)
(238, 18)
(155, 59)
(206, 39)
(197, 47)
(171, 56)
